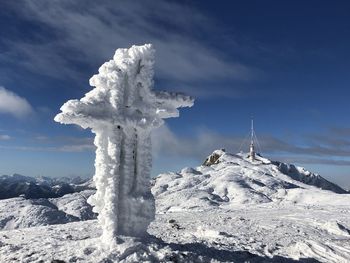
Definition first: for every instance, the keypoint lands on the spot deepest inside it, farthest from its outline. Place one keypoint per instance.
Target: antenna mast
(252, 147)
(252, 132)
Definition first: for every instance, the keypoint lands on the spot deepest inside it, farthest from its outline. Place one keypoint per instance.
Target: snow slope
(304, 176)
(230, 180)
(75, 205)
(22, 213)
(227, 210)
(255, 233)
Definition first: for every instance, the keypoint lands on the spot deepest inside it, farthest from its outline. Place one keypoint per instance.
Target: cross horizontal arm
(176, 99)
(168, 102)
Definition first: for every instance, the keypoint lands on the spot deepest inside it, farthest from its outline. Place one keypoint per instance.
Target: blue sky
(284, 62)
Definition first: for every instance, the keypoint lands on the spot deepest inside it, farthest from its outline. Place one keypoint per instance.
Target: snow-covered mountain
(227, 180)
(304, 176)
(40, 187)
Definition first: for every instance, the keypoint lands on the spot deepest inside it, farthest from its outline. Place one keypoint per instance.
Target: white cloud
(13, 104)
(203, 143)
(64, 148)
(77, 148)
(5, 137)
(92, 32)
(44, 143)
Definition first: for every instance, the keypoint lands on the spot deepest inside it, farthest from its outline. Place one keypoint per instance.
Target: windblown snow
(227, 210)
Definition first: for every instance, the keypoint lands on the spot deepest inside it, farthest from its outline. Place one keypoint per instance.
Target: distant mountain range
(236, 166)
(40, 187)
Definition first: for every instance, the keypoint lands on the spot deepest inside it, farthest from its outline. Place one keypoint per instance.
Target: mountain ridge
(46, 187)
(226, 180)
(40, 187)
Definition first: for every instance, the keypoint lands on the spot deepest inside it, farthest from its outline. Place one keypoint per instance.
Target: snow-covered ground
(229, 210)
(21, 213)
(269, 232)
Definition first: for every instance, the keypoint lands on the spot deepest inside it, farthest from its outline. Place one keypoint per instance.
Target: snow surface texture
(21, 213)
(251, 233)
(268, 216)
(122, 110)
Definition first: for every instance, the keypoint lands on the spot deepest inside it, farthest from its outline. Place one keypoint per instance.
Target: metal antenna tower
(252, 146)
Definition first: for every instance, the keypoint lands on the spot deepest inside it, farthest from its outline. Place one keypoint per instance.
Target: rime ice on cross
(122, 110)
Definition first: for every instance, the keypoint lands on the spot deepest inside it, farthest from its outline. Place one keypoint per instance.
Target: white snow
(21, 213)
(232, 211)
(75, 205)
(250, 233)
(227, 181)
(122, 110)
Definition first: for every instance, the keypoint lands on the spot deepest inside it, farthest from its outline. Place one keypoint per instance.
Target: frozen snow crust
(122, 109)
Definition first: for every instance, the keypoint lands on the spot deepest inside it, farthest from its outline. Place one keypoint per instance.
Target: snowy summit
(230, 180)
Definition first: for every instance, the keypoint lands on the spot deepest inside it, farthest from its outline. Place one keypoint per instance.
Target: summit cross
(121, 111)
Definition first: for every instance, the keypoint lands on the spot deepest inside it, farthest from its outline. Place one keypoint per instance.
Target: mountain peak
(228, 180)
(222, 156)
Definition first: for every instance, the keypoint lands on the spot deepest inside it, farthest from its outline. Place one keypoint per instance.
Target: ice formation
(122, 110)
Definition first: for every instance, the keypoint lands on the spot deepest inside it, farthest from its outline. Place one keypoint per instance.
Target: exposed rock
(214, 157)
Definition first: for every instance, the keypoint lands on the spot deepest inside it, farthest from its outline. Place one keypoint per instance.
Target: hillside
(227, 210)
(229, 180)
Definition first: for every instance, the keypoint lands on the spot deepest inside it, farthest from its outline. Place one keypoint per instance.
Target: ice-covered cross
(122, 110)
